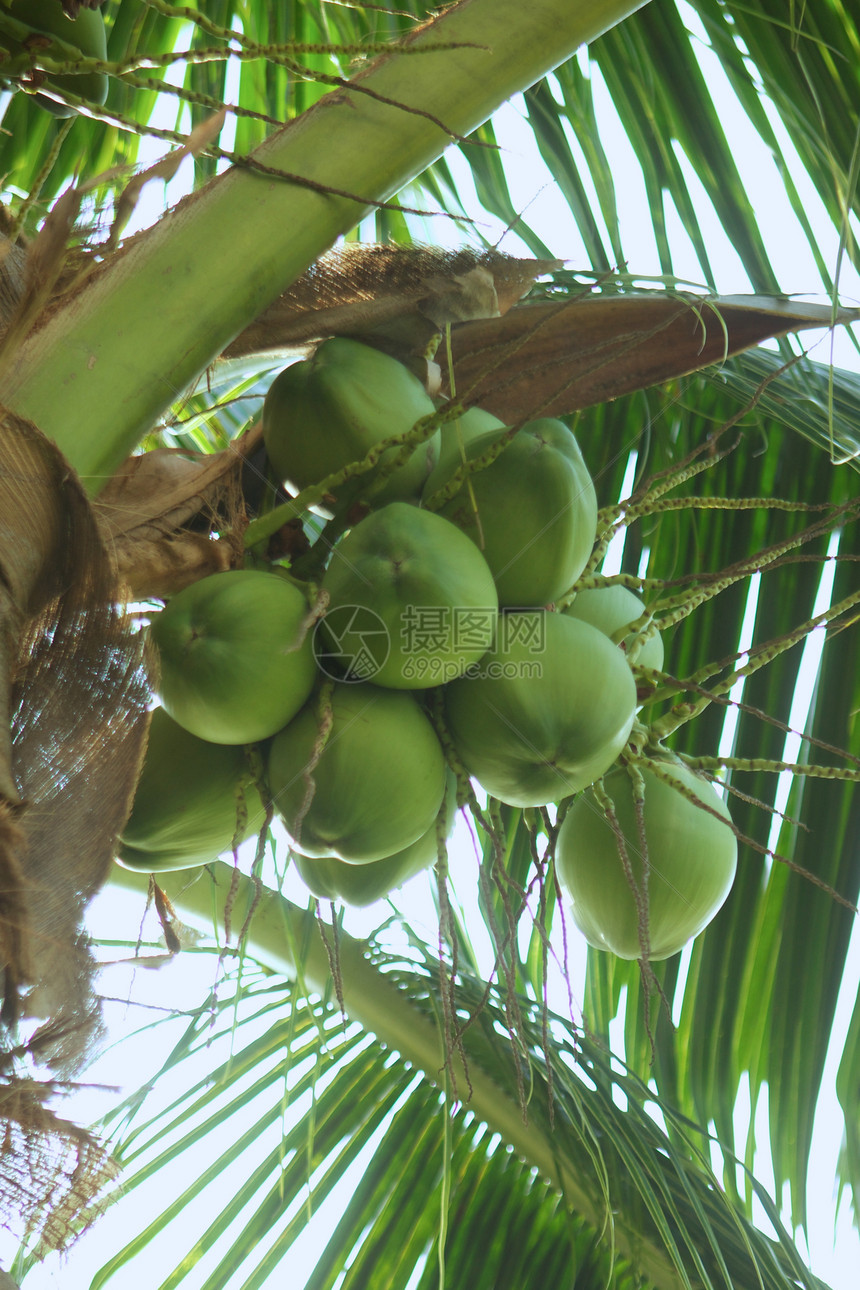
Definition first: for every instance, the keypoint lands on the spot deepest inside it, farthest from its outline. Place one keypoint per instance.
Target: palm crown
(733, 480)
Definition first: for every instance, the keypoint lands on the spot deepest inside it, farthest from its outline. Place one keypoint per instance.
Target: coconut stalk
(278, 928)
(97, 376)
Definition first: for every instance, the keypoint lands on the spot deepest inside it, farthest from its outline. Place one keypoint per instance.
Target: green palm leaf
(630, 1175)
(752, 952)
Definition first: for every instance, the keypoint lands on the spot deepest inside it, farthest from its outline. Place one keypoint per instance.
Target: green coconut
(192, 801)
(532, 512)
(454, 437)
(612, 610)
(236, 658)
(328, 878)
(377, 785)
(427, 586)
(691, 859)
(154, 861)
(545, 712)
(329, 410)
(86, 33)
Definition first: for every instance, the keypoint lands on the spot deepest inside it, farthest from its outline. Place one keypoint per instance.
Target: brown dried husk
(159, 514)
(73, 719)
(402, 295)
(51, 1171)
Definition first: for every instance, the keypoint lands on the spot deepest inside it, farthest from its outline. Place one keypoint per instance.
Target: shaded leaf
(550, 359)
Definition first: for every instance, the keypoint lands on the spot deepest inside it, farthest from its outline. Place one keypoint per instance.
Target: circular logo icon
(351, 643)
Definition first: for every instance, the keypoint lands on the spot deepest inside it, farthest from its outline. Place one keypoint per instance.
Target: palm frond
(747, 1003)
(505, 1223)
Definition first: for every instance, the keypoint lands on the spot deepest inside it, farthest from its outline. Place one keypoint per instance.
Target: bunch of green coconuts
(433, 642)
(459, 539)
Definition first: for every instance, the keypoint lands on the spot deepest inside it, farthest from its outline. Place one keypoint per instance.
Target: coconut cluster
(432, 644)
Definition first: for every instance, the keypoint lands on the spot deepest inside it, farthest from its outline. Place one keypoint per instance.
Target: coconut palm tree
(427, 1110)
